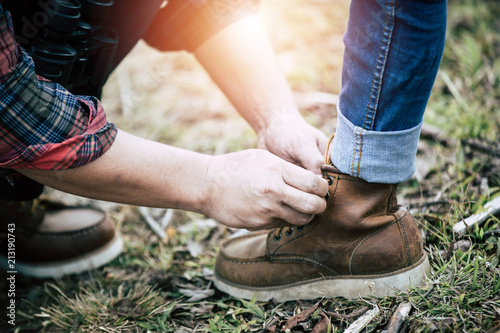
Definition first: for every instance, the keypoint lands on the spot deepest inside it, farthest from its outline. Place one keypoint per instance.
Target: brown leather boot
(363, 244)
(50, 240)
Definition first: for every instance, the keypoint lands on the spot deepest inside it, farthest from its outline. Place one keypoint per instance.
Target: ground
(165, 285)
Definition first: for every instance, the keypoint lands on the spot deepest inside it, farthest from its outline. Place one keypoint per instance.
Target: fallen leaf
(322, 325)
(299, 318)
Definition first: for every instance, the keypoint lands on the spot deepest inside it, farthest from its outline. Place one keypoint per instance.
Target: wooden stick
(492, 207)
(398, 318)
(362, 321)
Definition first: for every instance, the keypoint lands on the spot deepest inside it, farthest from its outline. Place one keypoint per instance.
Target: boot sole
(89, 261)
(349, 287)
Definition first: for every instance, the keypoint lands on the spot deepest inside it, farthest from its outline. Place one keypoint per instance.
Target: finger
(302, 202)
(304, 180)
(282, 216)
(310, 153)
(313, 163)
(286, 216)
(275, 223)
(311, 159)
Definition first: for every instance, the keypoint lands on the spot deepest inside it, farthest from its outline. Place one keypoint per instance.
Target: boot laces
(290, 230)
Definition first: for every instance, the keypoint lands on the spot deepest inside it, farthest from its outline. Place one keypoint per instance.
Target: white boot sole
(350, 286)
(89, 261)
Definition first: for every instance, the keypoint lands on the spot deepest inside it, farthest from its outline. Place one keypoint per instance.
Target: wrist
(278, 119)
(203, 187)
(280, 122)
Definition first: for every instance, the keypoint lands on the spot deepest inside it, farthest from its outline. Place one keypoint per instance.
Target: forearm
(138, 172)
(145, 173)
(240, 59)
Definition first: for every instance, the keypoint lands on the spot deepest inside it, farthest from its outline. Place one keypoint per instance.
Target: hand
(256, 190)
(294, 140)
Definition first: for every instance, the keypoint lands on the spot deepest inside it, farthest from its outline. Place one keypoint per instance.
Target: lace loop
(277, 235)
(288, 231)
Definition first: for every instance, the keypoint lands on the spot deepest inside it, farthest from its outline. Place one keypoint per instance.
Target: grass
(165, 286)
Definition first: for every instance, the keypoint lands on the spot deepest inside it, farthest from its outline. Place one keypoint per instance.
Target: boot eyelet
(277, 239)
(300, 227)
(329, 179)
(327, 196)
(289, 232)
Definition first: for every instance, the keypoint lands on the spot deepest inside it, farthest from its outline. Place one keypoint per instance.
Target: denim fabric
(392, 53)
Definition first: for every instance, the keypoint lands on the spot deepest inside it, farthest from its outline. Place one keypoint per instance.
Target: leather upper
(363, 231)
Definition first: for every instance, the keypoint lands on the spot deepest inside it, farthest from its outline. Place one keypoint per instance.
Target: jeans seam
(360, 151)
(405, 240)
(354, 152)
(358, 145)
(380, 66)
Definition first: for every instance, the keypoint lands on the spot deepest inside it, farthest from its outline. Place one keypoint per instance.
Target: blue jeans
(392, 53)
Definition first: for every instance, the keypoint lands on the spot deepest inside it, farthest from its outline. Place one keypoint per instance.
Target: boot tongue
(392, 203)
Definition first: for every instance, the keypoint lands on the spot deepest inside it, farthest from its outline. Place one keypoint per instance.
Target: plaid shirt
(42, 125)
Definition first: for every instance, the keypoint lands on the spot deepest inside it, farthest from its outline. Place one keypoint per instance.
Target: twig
(492, 207)
(349, 317)
(420, 207)
(166, 218)
(424, 204)
(364, 320)
(432, 133)
(398, 318)
(152, 223)
(481, 147)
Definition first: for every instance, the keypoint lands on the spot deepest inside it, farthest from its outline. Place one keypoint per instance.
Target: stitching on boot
(269, 287)
(241, 262)
(392, 201)
(352, 180)
(389, 203)
(405, 237)
(336, 187)
(301, 259)
(284, 259)
(353, 254)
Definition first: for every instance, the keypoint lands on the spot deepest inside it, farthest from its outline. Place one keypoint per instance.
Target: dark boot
(50, 240)
(363, 244)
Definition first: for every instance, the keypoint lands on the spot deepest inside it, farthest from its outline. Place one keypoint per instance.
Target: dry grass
(169, 98)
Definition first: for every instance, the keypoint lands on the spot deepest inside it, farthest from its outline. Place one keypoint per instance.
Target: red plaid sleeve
(42, 125)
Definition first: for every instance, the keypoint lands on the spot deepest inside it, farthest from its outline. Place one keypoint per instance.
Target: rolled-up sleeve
(186, 24)
(42, 125)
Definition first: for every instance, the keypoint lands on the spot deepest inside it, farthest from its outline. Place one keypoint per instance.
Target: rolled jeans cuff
(377, 157)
